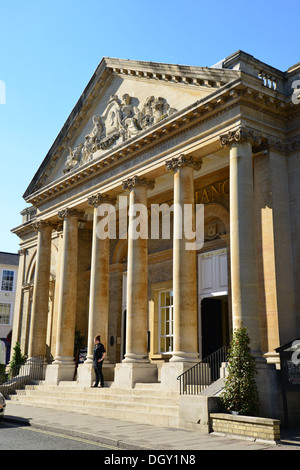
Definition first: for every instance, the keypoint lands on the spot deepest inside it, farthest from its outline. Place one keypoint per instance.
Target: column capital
(183, 161)
(137, 181)
(97, 199)
(70, 213)
(40, 224)
(239, 135)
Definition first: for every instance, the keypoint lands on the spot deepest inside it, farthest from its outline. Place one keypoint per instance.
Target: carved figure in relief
(147, 113)
(73, 157)
(97, 131)
(130, 117)
(87, 150)
(120, 121)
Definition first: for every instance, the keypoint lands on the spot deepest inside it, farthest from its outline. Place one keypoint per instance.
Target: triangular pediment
(122, 100)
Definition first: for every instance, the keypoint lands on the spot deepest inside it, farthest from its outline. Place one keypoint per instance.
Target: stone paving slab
(129, 435)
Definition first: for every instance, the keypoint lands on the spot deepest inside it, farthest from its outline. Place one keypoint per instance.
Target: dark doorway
(214, 324)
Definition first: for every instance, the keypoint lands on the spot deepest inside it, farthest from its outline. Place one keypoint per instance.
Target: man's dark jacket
(98, 353)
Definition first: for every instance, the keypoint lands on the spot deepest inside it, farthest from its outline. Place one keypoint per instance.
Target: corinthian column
(63, 365)
(99, 296)
(185, 346)
(244, 281)
(40, 301)
(136, 366)
(185, 325)
(137, 274)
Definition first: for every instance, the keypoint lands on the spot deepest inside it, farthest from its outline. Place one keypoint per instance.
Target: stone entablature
(138, 131)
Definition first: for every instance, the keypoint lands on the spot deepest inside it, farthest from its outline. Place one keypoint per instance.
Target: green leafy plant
(240, 392)
(17, 360)
(2, 373)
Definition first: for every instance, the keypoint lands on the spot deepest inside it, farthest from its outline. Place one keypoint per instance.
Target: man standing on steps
(98, 358)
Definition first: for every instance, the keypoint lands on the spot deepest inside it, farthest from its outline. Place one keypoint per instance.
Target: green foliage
(17, 360)
(2, 373)
(240, 393)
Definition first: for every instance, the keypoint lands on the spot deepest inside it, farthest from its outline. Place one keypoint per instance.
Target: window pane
(7, 280)
(166, 321)
(4, 313)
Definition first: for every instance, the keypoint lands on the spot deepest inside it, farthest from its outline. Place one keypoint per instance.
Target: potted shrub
(240, 393)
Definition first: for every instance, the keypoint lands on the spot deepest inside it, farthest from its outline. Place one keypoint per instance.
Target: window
(165, 323)
(5, 313)
(7, 283)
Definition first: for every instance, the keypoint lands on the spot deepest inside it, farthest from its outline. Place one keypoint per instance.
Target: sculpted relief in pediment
(121, 120)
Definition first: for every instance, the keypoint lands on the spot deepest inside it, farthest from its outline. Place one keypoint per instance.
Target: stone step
(145, 390)
(137, 412)
(95, 403)
(146, 403)
(100, 395)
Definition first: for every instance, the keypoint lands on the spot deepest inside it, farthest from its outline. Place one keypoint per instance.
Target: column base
(133, 358)
(128, 374)
(86, 373)
(170, 371)
(183, 356)
(60, 370)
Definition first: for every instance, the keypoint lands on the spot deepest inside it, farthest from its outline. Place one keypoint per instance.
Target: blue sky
(51, 48)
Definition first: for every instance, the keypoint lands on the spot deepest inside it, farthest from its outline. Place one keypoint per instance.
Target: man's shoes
(94, 386)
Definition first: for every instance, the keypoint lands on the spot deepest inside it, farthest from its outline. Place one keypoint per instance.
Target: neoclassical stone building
(226, 136)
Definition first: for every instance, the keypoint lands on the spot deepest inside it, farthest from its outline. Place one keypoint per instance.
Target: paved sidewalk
(127, 435)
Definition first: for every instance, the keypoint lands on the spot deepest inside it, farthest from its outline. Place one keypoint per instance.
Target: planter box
(263, 429)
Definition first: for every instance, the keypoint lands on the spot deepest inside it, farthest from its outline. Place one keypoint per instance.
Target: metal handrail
(22, 374)
(196, 379)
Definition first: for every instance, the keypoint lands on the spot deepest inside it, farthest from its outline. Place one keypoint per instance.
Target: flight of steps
(145, 403)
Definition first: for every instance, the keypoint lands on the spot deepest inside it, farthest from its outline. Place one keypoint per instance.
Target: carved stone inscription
(121, 120)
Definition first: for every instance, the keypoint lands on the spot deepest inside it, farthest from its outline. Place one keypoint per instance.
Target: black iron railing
(16, 377)
(204, 373)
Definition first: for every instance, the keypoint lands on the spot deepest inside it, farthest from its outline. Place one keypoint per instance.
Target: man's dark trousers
(99, 375)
